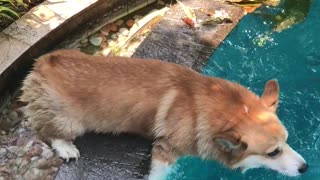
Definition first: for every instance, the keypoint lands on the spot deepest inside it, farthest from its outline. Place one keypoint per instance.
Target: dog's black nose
(303, 168)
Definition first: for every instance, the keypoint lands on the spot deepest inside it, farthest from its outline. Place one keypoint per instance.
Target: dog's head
(255, 137)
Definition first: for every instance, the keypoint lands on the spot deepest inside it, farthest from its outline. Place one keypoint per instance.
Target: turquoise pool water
(253, 54)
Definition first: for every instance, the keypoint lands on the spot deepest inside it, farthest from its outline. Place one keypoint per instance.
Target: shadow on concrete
(109, 157)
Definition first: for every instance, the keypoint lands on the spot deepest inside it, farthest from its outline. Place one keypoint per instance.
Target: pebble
(11, 156)
(119, 22)
(4, 111)
(130, 22)
(25, 161)
(3, 152)
(14, 170)
(102, 36)
(13, 115)
(103, 45)
(135, 17)
(47, 153)
(124, 31)
(2, 132)
(34, 172)
(106, 33)
(113, 27)
(13, 149)
(111, 42)
(35, 158)
(35, 151)
(114, 36)
(96, 41)
(106, 51)
(28, 145)
(161, 3)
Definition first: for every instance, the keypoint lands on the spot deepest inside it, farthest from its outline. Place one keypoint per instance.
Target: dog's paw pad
(65, 149)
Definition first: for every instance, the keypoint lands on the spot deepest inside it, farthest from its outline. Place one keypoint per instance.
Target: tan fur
(70, 93)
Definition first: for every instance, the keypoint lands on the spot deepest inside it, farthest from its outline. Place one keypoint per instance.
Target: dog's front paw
(65, 149)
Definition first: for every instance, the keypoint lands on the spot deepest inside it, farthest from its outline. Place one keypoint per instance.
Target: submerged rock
(124, 31)
(130, 22)
(119, 22)
(96, 41)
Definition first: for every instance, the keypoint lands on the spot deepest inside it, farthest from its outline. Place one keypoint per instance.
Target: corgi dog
(69, 93)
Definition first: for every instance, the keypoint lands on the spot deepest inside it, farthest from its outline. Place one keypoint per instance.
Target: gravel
(22, 155)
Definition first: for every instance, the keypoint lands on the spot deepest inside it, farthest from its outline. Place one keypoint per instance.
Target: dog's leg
(163, 155)
(158, 170)
(65, 149)
(58, 130)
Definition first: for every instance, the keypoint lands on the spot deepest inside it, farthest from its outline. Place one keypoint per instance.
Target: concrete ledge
(43, 27)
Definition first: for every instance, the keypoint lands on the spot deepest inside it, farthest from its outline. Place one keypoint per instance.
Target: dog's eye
(274, 153)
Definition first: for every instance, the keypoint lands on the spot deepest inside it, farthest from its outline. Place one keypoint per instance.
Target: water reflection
(292, 12)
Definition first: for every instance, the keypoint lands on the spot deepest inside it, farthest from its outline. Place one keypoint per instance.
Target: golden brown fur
(70, 93)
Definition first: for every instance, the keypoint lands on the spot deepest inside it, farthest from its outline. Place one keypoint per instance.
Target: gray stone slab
(174, 41)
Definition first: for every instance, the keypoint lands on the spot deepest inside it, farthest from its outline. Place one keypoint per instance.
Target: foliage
(9, 8)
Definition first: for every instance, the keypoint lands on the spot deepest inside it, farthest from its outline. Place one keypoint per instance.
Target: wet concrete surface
(123, 157)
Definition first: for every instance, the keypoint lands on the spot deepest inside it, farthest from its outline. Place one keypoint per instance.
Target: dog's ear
(270, 96)
(229, 142)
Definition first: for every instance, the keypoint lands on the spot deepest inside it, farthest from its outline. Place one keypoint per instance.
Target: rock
(113, 27)
(42, 164)
(35, 151)
(13, 149)
(13, 115)
(111, 42)
(106, 28)
(130, 22)
(96, 41)
(28, 145)
(103, 45)
(35, 158)
(19, 160)
(14, 170)
(11, 156)
(33, 173)
(105, 52)
(119, 22)
(124, 31)
(3, 152)
(106, 33)
(25, 161)
(47, 153)
(161, 3)
(114, 36)
(137, 17)
(103, 37)
(5, 111)
(18, 177)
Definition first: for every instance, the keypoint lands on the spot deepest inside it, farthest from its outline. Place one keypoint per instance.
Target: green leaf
(21, 3)
(6, 16)
(3, 10)
(3, 2)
